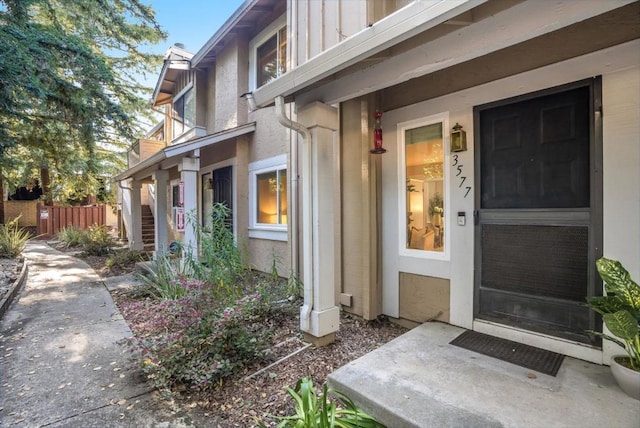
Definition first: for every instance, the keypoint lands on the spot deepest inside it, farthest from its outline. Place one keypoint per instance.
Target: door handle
(476, 217)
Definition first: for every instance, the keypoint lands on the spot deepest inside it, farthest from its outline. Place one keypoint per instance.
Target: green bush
(219, 260)
(12, 239)
(201, 327)
(313, 410)
(97, 241)
(72, 236)
(218, 263)
(195, 343)
(167, 280)
(125, 258)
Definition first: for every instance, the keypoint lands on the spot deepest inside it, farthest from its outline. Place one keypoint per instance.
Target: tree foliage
(69, 95)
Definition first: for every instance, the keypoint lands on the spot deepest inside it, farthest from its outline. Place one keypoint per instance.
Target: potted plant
(620, 310)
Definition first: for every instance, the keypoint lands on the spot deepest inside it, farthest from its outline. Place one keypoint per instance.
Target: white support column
(189, 176)
(135, 241)
(323, 123)
(161, 182)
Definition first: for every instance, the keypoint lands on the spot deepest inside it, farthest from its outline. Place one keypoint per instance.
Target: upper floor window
(184, 112)
(268, 54)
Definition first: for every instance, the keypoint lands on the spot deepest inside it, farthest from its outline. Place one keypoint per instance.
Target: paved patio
(420, 380)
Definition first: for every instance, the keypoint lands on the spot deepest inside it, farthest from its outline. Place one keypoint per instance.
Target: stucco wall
(231, 81)
(226, 97)
(270, 139)
(13, 209)
(211, 100)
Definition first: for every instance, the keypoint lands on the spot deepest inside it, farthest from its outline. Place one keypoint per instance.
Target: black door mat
(537, 359)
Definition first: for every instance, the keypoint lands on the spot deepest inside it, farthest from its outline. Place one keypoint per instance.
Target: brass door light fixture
(458, 139)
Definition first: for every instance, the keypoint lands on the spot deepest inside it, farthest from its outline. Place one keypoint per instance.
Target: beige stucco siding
(25, 209)
(211, 100)
(264, 254)
(270, 138)
(227, 82)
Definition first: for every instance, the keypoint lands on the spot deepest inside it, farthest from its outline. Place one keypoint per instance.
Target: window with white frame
(184, 112)
(268, 198)
(268, 54)
(423, 186)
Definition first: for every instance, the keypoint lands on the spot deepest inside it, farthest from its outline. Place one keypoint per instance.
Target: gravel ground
(9, 271)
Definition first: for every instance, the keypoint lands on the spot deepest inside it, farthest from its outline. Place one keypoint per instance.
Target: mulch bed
(239, 402)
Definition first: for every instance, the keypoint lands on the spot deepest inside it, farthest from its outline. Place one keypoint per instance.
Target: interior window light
(271, 207)
(424, 167)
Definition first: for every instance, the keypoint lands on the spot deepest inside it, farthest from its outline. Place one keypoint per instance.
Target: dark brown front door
(538, 227)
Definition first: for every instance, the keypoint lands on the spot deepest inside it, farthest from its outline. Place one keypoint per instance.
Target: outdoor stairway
(148, 229)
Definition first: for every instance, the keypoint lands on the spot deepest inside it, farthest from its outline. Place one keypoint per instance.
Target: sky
(190, 22)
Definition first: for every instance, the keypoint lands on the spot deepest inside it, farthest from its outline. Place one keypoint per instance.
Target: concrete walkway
(60, 365)
(420, 380)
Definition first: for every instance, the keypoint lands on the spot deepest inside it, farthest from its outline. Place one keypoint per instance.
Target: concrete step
(420, 380)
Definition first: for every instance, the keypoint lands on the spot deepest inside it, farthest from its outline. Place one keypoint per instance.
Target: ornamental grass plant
(13, 239)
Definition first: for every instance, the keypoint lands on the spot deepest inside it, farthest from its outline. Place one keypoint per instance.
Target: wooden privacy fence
(52, 219)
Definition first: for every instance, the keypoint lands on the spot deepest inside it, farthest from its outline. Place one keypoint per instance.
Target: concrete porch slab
(419, 380)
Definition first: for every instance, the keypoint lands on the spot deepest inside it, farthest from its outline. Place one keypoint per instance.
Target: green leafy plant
(13, 238)
(195, 342)
(436, 205)
(97, 241)
(219, 260)
(125, 258)
(72, 236)
(313, 410)
(165, 281)
(620, 309)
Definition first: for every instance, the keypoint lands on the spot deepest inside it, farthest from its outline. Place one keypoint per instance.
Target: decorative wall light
(377, 135)
(458, 139)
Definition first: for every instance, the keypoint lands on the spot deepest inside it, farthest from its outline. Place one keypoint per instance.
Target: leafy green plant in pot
(620, 310)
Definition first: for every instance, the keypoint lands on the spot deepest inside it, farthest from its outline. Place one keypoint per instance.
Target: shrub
(313, 410)
(166, 281)
(72, 236)
(12, 238)
(219, 260)
(97, 241)
(125, 258)
(200, 346)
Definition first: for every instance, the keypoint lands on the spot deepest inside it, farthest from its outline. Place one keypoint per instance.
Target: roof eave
(395, 28)
(223, 31)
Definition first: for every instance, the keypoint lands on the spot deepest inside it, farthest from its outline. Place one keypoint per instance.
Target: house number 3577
(459, 171)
